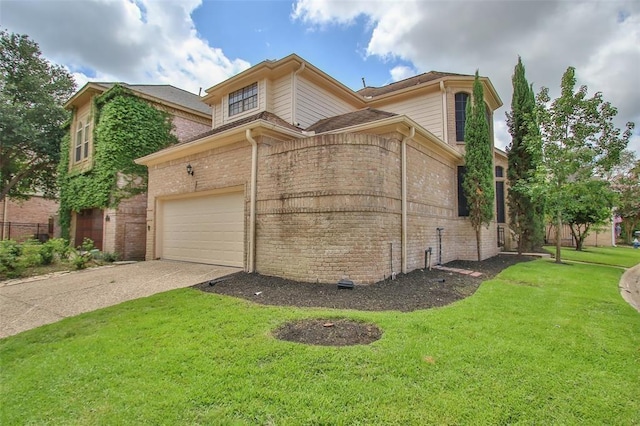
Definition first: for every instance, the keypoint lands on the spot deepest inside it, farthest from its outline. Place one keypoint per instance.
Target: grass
(615, 256)
(539, 344)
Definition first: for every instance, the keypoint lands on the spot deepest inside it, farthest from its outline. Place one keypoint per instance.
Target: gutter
(445, 135)
(294, 91)
(412, 133)
(252, 204)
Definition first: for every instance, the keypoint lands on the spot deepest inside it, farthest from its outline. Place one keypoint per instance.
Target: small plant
(87, 245)
(109, 257)
(80, 259)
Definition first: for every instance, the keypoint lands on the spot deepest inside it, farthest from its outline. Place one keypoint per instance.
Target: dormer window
(243, 99)
(461, 114)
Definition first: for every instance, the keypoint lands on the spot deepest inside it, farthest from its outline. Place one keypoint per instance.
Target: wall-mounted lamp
(107, 218)
(189, 170)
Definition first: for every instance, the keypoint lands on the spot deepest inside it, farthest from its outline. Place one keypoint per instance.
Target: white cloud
(137, 42)
(600, 39)
(401, 72)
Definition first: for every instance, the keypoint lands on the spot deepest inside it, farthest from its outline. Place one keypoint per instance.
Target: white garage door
(206, 229)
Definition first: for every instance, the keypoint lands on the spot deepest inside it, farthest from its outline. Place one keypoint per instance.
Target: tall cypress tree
(478, 183)
(526, 217)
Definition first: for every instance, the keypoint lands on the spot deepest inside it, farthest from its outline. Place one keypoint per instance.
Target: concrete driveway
(30, 303)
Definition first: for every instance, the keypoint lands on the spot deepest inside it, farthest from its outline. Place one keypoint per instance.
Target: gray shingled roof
(361, 116)
(264, 115)
(403, 84)
(167, 93)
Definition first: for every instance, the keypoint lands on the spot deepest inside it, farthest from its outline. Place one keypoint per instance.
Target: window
(461, 114)
(500, 206)
(463, 208)
(86, 140)
(78, 145)
(243, 99)
(83, 137)
(500, 212)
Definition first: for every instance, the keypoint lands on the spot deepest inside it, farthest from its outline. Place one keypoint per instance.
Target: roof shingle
(403, 84)
(361, 116)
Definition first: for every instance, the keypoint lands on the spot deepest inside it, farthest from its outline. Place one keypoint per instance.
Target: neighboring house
(122, 230)
(24, 219)
(303, 178)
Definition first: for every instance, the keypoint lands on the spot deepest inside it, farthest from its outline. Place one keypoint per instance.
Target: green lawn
(615, 256)
(540, 344)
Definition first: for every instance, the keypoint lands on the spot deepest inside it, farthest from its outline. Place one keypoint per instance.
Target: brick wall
(125, 231)
(32, 211)
(188, 127)
(329, 206)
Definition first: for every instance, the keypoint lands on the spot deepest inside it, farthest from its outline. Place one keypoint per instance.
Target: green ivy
(126, 127)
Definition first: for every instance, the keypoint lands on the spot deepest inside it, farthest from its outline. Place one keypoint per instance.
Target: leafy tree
(590, 204)
(32, 92)
(526, 215)
(580, 143)
(626, 183)
(478, 183)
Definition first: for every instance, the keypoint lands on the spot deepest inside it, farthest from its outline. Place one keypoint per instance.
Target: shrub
(109, 257)
(10, 252)
(31, 254)
(80, 259)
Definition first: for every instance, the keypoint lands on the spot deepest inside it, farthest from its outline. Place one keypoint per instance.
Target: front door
(89, 224)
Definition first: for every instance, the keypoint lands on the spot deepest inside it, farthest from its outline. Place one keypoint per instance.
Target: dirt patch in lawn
(329, 332)
(420, 289)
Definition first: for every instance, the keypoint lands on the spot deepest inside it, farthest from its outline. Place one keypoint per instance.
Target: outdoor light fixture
(189, 170)
(107, 218)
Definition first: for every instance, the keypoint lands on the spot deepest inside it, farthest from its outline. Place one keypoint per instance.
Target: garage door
(206, 229)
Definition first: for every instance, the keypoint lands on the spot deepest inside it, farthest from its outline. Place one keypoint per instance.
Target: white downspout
(294, 95)
(412, 133)
(445, 132)
(252, 203)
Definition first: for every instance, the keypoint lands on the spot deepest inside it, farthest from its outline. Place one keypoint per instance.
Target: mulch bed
(420, 289)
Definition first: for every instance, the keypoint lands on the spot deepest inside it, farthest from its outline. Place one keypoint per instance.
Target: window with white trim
(243, 99)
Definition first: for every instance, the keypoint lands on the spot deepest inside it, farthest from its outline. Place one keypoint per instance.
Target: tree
(526, 215)
(580, 144)
(590, 204)
(32, 92)
(626, 183)
(478, 183)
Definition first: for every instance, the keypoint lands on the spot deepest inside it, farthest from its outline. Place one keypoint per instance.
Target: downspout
(294, 95)
(412, 133)
(445, 133)
(252, 203)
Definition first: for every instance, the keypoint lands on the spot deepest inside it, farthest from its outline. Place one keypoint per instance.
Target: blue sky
(196, 44)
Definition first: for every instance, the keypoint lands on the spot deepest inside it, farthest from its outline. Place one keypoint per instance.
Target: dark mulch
(420, 289)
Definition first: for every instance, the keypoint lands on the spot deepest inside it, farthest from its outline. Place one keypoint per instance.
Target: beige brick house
(304, 178)
(122, 230)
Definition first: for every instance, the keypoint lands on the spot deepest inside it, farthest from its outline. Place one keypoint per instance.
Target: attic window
(243, 99)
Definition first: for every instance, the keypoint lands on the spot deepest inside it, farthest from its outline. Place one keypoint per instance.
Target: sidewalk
(630, 286)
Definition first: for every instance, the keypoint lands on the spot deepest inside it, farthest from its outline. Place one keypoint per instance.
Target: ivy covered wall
(126, 127)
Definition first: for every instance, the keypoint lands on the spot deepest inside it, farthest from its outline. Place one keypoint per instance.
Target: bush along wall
(126, 127)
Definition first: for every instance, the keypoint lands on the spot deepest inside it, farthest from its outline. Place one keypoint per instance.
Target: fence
(24, 231)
